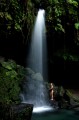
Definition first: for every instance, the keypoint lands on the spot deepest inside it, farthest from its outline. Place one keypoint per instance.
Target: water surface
(56, 115)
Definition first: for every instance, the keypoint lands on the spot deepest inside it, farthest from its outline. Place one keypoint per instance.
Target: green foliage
(59, 27)
(10, 78)
(77, 25)
(30, 17)
(15, 15)
(9, 65)
(8, 16)
(54, 12)
(57, 10)
(70, 57)
(73, 2)
(12, 12)
(67, 56)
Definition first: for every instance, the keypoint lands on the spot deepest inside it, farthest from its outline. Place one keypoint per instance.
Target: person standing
(51, 91)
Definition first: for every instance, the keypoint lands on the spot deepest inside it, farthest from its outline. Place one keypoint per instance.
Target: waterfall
(35, 91)
(36, 56)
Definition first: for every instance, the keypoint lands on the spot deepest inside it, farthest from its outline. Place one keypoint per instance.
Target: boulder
(21, 111)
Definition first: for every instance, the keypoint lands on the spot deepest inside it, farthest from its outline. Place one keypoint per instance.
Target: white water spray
(35, 89)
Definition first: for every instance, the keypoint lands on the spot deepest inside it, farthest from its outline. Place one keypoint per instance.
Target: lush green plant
(12, 13)
(67, 56)
(57, 10)
(11, 76)
(77, 25)
(16, 17)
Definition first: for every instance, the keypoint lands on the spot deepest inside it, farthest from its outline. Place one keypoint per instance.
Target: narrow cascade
(37, 50)
(35, 91)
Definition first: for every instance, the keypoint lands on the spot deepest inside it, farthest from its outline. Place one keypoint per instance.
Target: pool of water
(56, 115)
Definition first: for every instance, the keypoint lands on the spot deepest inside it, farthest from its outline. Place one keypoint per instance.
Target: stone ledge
(21, 111)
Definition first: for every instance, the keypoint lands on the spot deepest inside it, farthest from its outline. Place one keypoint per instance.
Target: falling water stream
(37, 53)
(37, 61)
